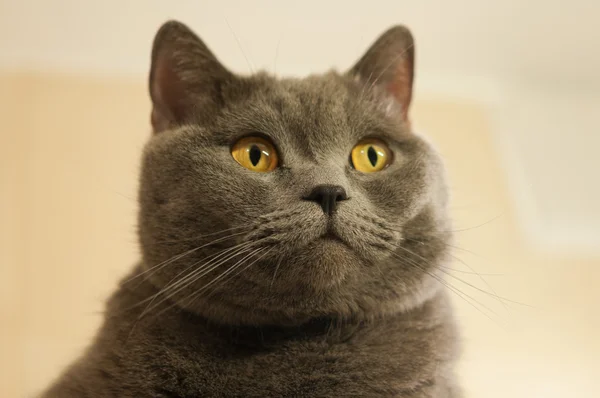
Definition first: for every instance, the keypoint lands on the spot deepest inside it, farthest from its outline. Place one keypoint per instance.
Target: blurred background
(508, 90)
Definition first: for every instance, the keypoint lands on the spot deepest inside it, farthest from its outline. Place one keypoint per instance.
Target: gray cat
(292, 234)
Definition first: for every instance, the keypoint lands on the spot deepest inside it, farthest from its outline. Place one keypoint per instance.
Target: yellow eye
(256, 154)
(371, 155)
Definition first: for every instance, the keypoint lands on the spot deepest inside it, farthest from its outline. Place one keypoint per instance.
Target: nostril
(340, 197)
(327, 197)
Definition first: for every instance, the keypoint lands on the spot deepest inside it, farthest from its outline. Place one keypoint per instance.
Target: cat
(292, 235)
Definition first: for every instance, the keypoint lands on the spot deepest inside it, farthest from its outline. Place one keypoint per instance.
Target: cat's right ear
(185, 78)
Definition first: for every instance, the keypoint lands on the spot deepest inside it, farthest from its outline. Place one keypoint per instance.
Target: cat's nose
(327, 196)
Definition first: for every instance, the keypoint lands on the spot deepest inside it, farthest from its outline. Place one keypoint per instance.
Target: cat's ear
(185, 77)
(388, 65)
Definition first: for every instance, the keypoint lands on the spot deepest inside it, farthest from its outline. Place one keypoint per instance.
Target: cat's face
(346, 217)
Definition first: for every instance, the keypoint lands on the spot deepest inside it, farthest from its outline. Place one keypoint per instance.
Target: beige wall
(69, 150)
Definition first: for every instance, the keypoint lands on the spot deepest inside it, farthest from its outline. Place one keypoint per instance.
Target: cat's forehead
(327, 87)
(318, 109)
(316, 115)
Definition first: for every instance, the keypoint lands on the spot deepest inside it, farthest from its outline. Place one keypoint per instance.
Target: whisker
(422, 242)
(162, 264)
(184, 254)
(460, 271)
(187, 281)
(473, 272)
(246, 267)
(441, 280)
(453, 230)
(466, 297)
(169, 285)
(500, 298)
(480, 277)
(463, 249)
(478, 225)
(206, 268)
(240, 46)
(275, 273)
(192, 297)
(246, 227)
(234, 267)
(150, 307)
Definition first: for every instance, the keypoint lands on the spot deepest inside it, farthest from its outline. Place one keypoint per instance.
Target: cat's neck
(130, 304)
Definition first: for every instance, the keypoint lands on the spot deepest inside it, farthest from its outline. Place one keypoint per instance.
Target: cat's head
(268, 200)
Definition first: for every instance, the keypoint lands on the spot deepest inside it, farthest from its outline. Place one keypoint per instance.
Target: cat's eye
(256, 154)
(370, 155)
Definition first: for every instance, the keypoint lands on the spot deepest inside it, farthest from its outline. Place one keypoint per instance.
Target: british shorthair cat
(292, 233)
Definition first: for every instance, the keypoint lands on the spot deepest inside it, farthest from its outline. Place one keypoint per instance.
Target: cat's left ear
(185, 78)
(388, 66)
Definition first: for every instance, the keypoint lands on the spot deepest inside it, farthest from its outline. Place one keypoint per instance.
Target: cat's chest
(371, 367)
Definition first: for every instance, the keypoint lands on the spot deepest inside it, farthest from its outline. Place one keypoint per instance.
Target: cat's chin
(327, 261)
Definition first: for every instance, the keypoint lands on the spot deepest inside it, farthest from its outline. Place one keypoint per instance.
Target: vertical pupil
(255, 154)
(372, 154)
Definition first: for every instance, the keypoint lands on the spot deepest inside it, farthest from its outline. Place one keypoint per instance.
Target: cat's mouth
(330, 235)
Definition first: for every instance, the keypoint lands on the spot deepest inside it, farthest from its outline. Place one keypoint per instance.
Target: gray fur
(301, 315)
